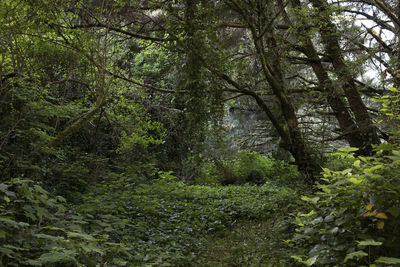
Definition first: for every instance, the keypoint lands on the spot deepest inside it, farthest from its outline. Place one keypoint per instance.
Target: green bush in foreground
(355, 217)
(37, 230)
(167, 222)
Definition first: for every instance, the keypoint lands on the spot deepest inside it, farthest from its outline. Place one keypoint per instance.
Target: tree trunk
(267, 53)
(347, 125)
(305, 160)
(330, 38)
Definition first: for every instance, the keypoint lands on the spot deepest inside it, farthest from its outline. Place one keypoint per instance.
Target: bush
(125, 223)
(337, 162)
(252, 168)
(354, 218)
(37, 229)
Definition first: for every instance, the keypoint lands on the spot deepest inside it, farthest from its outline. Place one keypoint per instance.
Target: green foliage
(119, 209)
(151, 64)
(167, 222)
(354, 214)
(50, 80)
(390, 103)
(38, 230)
(250, 243)
(338, 161)
(124, 223)
(249, 167)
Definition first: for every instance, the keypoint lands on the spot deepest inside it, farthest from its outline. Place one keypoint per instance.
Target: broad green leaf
(89, 248)
(396, 152)
(348, 150)
(308, 199)
(299, 259)
(49, 237)
(369, 207)
(327, 172)
(61, 199)
(54, 228)
(299, 222)
(372, 169)
(369, 243)
(307, 214)
(6, 251)
(355, 255)
(355, 180)
(357, 163)
(80, 235)
(388, 260)
(53, 257)
(310, 261)
(394, 158)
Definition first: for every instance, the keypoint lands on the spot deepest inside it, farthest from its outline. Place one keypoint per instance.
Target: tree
(61, 94)
(329, 35)
(269, 55)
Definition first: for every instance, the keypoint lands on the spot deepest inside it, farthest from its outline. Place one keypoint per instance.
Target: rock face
(249, 128)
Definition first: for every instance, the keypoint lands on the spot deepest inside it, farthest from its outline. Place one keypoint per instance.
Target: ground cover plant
(164, 223)
(257, 242)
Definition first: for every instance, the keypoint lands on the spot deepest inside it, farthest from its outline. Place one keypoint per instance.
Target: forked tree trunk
(268, 55)
(305, 159)
(348, 127)
(329, 35)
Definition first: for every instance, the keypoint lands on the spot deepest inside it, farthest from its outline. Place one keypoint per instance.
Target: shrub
(253, 168)
(37, 229)
(354, 218)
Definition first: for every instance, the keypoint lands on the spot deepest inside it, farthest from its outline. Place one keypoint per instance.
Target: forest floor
(249, 243)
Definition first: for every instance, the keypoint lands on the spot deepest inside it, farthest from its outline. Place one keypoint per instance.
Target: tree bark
(305, 159)
(348, 127)
(330, 37)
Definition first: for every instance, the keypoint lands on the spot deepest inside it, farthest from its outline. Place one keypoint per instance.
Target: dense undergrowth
(350, 220)
(94, 117)
(165, 223)
(354, 217)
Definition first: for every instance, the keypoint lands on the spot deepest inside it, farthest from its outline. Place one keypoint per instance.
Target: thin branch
(147, 86)
(119, 30)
